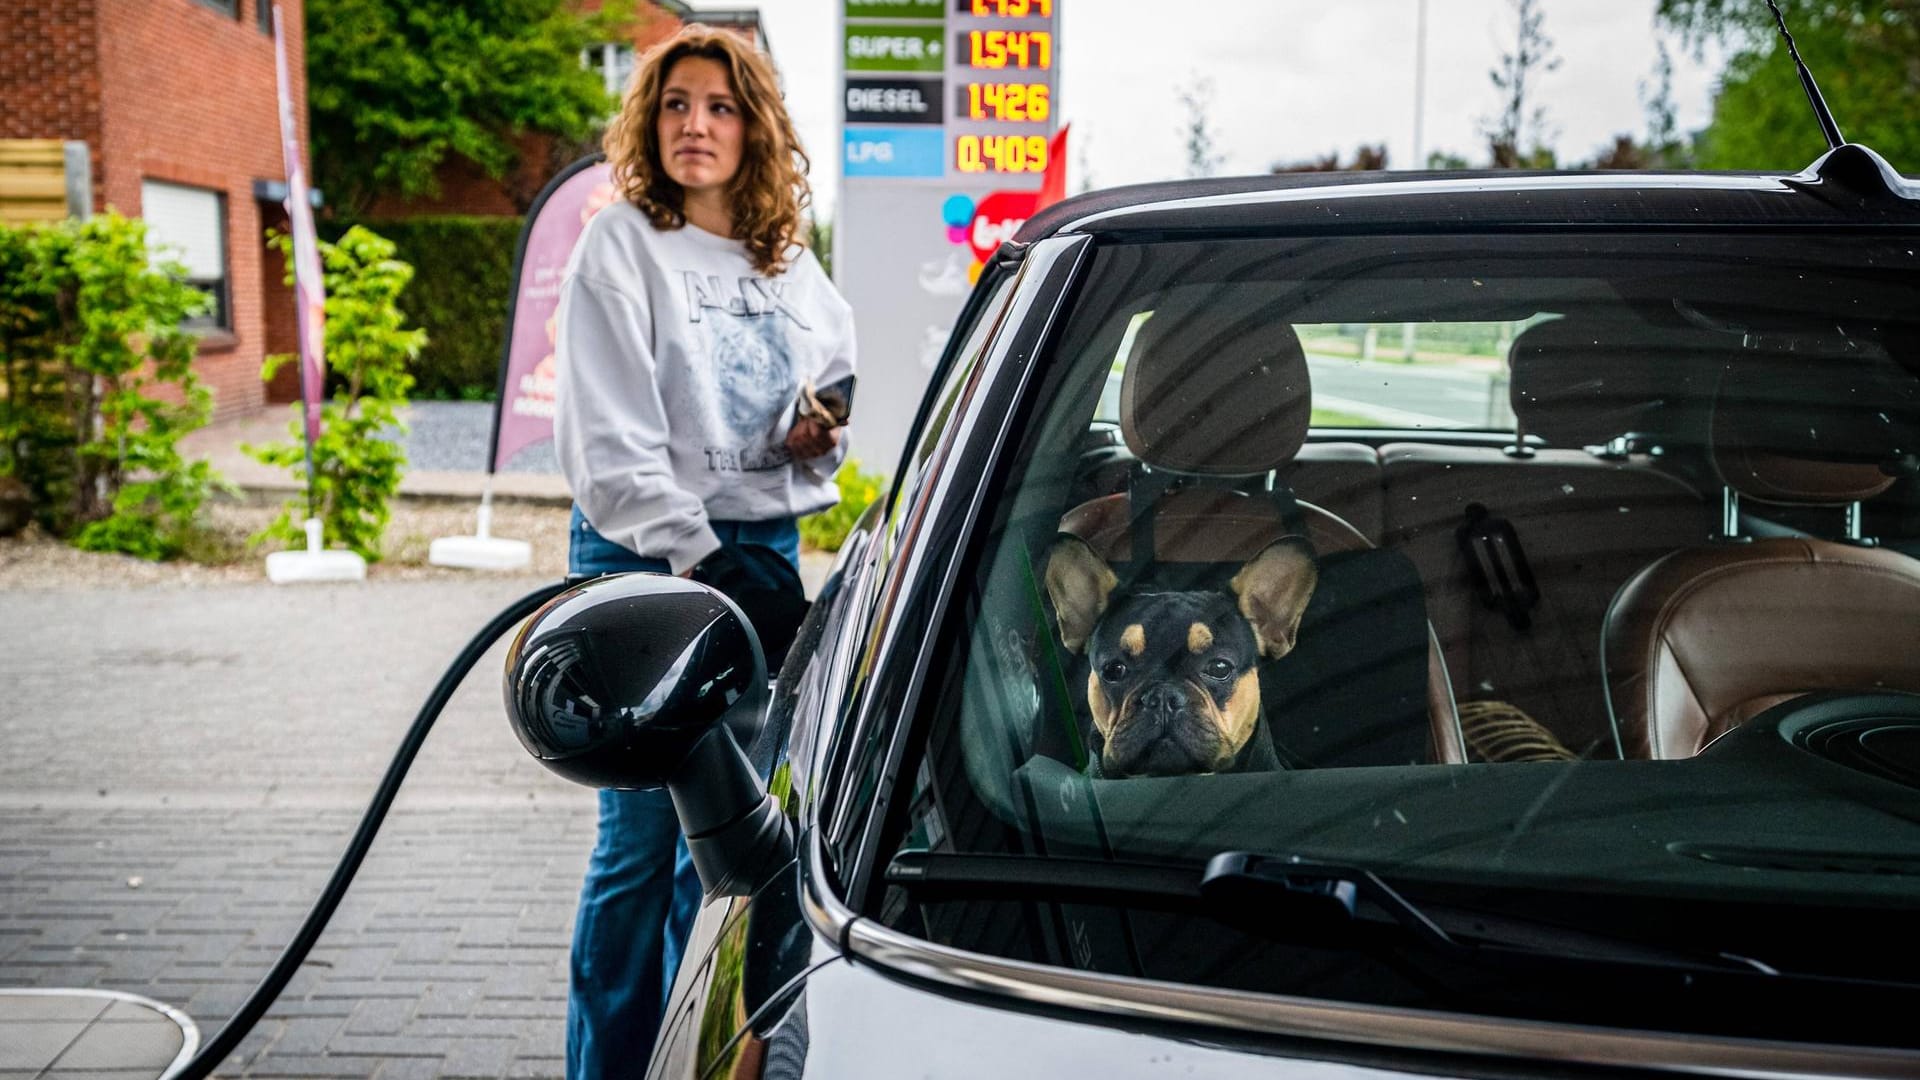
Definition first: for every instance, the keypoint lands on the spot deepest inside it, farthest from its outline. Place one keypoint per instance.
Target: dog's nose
(1160, 702)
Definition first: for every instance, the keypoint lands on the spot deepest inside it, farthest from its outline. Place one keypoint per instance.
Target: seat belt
(1503, 578)
(1498, 566)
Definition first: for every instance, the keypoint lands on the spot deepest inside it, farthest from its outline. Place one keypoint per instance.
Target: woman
(688, 322)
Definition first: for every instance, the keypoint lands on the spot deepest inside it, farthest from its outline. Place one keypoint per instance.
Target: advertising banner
(309, 281)
(523, 409)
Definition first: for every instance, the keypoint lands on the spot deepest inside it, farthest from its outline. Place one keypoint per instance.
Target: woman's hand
(809, 438)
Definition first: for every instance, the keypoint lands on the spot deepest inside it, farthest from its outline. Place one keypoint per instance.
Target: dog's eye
(1218, 668)
(1114, 671)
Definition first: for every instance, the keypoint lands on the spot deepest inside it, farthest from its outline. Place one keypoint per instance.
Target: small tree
(1517, 138)
(357, 462)
(1196, 97)
(97, 385)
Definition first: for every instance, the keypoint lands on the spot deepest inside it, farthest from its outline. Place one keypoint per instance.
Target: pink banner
(309, 283)
(524, 413)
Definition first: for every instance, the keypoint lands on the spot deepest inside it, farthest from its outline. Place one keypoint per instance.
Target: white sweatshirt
(678, 368)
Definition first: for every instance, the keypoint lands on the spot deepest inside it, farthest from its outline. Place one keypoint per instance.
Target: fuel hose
(223, 1042)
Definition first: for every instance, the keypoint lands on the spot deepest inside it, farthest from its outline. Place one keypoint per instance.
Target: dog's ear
(1080, 582)
(1273, 590)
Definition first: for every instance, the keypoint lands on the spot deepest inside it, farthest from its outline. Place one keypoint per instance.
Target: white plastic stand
(481, 551)
(316, 563)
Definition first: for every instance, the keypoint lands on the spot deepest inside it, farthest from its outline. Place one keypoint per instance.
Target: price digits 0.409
(1001, 153)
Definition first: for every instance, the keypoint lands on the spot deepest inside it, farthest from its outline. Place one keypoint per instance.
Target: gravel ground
(36, 561)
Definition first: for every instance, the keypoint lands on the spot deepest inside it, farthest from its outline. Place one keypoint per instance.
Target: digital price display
(954, 89)
(993, 50)
(1000, 153)
(1014, 102)
(1005, 9)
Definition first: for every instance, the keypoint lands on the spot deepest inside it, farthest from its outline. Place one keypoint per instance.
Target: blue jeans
(641, 893)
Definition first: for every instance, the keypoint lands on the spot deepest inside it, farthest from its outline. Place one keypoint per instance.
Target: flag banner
(1053, 182)
(309, 281)
(523, 409)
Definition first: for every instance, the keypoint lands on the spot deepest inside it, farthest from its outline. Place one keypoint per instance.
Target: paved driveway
(181, 769)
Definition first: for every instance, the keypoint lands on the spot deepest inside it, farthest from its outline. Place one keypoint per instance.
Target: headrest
(1581, 381)
(1215, 393)
(1814, 430)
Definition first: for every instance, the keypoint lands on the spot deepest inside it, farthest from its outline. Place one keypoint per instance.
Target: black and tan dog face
(1172, 682)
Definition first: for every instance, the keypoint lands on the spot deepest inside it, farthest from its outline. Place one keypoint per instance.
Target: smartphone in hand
(830, 405)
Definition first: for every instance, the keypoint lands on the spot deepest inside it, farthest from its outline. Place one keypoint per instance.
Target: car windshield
(1559, 578)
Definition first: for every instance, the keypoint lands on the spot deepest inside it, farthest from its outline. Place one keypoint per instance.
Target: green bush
(97, 385)
(462, 276)
(356, 463)
(828, 529)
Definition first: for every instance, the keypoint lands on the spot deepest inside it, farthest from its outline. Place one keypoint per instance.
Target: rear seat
(1342, 478)
(1585, 523)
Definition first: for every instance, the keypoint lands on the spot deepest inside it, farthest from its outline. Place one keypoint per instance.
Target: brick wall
(50, 73)
(187, 95)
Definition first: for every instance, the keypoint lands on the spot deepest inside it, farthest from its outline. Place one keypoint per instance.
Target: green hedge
(462, 273)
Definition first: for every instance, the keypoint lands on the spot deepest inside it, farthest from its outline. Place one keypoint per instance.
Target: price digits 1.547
(1026, 49)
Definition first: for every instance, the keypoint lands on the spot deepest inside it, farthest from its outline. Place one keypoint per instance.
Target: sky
(1292, 80)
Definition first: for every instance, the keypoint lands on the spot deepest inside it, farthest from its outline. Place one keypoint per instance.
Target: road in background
(1411, 395)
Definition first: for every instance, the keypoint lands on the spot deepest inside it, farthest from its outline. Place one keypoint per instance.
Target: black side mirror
(648, 681)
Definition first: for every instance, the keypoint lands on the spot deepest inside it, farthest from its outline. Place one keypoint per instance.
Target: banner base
(315, 563)
(482, 550)
(480, 553)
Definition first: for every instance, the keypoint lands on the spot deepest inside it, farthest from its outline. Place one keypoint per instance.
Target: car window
(1410, 375)
(1604, 594)
(856, 791)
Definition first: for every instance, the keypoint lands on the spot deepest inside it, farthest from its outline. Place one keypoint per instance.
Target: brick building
(175, 100)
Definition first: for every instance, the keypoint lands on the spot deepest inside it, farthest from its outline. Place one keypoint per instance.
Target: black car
(1441, 624)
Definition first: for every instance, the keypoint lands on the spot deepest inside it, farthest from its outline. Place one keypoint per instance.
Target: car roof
(1850, 186)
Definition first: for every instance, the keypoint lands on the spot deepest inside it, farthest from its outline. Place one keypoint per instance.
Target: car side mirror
(646, 681)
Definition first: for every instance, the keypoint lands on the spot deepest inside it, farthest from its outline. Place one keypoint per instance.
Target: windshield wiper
(1292, 900)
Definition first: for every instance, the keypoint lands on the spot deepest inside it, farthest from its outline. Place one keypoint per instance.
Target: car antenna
(1820, 111)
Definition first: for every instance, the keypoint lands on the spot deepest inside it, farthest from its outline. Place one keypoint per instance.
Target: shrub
(828, 529)
(97, 385)
(462, 276)
(356, 462)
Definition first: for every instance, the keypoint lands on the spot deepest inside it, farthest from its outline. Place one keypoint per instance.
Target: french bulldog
(1172, 681)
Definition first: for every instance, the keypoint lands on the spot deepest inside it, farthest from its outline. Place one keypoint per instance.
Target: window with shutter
(188, 225)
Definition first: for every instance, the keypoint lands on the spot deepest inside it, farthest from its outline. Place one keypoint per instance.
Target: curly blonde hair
(767, 194)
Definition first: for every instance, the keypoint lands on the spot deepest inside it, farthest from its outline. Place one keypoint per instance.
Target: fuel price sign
(1002, 63)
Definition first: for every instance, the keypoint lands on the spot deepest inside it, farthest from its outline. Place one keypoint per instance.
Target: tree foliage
(97, 386)
(1865, 54)
(1365, 159)
(397, 87)
(1196, 97)
(357, 462)
(1517, 138)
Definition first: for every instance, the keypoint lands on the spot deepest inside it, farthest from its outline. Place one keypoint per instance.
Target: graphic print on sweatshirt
(745, 326)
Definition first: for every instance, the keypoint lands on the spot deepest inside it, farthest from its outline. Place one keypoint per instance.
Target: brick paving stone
(233, 776)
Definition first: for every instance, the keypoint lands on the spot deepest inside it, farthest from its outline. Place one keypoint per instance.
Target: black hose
(250, 1012)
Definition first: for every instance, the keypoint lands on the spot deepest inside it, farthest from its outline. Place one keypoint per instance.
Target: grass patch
(1336, 418)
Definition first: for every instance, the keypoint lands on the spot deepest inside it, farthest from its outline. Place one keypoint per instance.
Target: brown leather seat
(1210, 403)
(1705, 639)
